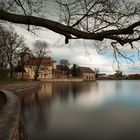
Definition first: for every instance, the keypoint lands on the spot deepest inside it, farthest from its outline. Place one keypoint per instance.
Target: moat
(100, 110)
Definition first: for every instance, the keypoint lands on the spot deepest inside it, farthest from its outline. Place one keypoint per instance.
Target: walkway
(9, 116)
(19, 85)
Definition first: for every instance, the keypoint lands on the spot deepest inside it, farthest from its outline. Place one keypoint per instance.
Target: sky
(81, 52)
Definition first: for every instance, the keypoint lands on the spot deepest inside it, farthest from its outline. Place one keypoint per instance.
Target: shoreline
(63, 80)
(24, 85)
(17, 129)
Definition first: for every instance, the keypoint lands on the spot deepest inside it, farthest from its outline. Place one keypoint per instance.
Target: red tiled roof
(45, 61)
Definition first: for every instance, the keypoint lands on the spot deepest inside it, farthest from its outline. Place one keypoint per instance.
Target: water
(101, 110)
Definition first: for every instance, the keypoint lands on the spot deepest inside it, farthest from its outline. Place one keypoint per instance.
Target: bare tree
(40, 51)
(114, 20)
(25, 53)
(3, 58)
(10, 43)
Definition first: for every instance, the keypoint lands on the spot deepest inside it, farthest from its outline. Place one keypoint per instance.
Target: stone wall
(3, 99)
(11, 125)
(9, 116)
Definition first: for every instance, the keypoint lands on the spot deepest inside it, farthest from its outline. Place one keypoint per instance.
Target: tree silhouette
(75, 71)
(116, 21)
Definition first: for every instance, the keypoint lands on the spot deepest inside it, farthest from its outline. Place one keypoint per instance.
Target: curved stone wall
(3, 97)
(9, 117)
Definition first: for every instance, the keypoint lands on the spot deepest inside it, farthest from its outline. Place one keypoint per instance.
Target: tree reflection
(36, 104)
(98, 110)
(33, 104)
(61, 90)
(66, 89)
(49, 91)
(79, 88)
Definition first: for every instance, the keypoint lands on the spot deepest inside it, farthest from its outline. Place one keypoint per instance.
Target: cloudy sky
(83, 53)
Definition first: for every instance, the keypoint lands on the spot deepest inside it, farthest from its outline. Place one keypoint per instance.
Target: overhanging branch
(69, 31)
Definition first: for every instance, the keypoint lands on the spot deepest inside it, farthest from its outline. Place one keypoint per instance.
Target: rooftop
(86, 70)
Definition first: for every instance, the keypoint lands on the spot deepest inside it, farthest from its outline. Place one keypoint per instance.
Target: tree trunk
(11, 70)
(36, 76)
(22, 76)
(37, 71)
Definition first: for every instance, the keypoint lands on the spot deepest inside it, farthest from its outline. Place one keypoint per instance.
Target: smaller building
(135, 76)
(101, 75)
(61, 71)
(87, 73)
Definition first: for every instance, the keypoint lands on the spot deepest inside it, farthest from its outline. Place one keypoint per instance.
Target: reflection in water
(101, 110)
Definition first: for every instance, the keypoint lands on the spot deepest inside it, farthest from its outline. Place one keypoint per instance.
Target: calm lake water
(101, 110)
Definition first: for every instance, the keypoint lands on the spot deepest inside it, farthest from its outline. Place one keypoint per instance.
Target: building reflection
(58, 110)
(66, 89)
(35, 105)
(48, 91)
(41, 96)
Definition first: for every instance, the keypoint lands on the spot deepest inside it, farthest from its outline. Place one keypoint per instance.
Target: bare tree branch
(69, 31)
(114, 20)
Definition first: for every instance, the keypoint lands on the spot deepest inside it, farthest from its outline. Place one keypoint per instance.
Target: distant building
(87, 73)
(101, 75)
(29, 63)
(134, 76)
(45, 70)
(61, 71)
